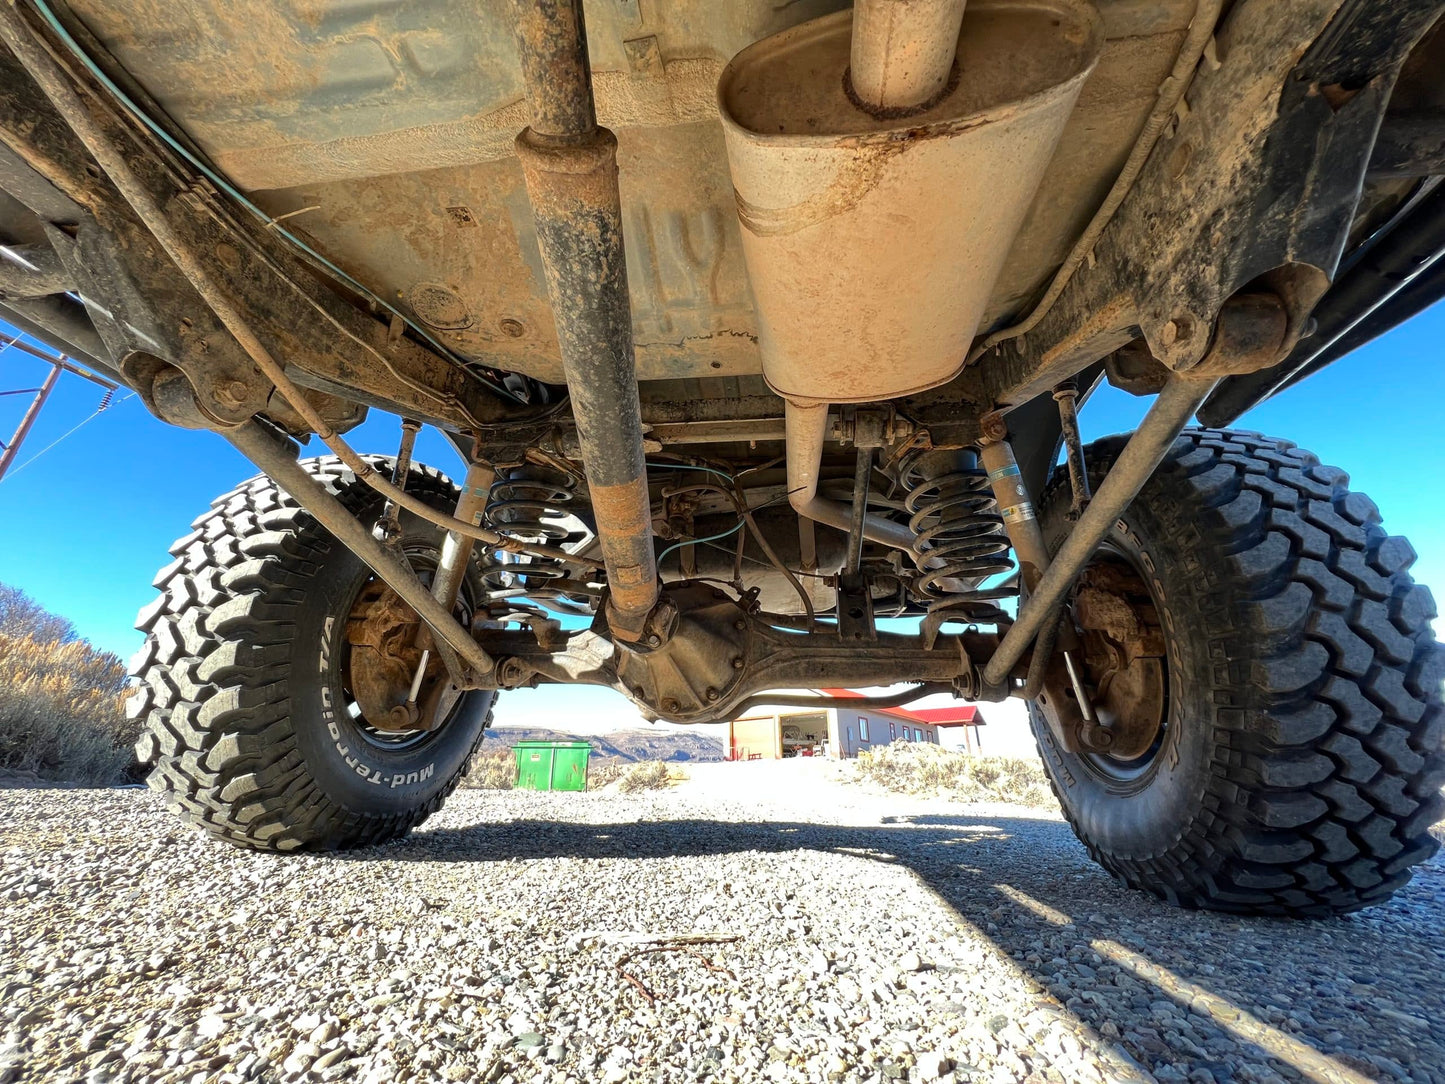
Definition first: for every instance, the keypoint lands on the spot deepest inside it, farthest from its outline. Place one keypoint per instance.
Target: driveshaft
(570, 166)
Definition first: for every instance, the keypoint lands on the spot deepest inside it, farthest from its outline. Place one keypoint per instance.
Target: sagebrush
(496, 770)
(913, 767)
(649, 775)
(602, 771)
(62, 701)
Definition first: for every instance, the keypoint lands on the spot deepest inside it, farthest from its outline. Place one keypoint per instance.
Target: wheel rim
(433, 698)
(1127, 668)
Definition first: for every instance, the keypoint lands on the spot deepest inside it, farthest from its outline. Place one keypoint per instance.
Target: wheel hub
(1124, 655)
(383, 634)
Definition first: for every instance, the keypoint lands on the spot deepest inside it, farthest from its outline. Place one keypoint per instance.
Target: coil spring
(958, 535)
(520, 506)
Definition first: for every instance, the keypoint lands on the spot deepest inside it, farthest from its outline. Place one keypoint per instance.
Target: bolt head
(398, 718)
(992, 427)
(232, 393)
(712, 694)
(737, 662)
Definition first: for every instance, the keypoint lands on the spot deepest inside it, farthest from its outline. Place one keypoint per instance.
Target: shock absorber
(531, 504)
(959, 539)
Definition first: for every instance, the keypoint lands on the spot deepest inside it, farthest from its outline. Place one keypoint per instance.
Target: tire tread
(218, 740)
(1328, 764)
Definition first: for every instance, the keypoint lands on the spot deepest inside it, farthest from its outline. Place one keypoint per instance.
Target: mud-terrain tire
(1299, 765)
(240, 688)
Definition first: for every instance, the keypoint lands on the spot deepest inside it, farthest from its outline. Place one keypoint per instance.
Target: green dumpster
(552, 765)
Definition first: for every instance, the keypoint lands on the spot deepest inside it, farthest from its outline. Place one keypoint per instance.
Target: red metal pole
(8, 456)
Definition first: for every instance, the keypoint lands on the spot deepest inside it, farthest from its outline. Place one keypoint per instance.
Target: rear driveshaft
(570, 165)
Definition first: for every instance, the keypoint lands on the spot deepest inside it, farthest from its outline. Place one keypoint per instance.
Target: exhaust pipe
(902, 53)
(882, 168)
(806, 430)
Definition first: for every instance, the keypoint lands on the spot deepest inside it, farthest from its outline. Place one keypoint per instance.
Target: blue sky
(85, 526)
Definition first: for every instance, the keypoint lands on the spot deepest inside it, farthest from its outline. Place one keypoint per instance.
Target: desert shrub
(22, 616)
(914, 767)
(604, 771)
(62, 704)
(649, 775)
(496, 770)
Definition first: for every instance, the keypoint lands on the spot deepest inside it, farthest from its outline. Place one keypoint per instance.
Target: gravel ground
(877, 938)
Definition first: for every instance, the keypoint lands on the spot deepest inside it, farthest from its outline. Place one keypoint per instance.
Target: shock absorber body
(959, 539)
(1027, 536)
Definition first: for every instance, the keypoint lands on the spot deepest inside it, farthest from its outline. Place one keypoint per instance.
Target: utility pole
(57, 366)
(42, 393)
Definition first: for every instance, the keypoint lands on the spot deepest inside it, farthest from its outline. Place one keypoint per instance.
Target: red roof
(962, 715)
(954, 715)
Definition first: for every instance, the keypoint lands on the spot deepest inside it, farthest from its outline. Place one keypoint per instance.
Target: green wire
(710, 538)
(699, 541)
(691, 466)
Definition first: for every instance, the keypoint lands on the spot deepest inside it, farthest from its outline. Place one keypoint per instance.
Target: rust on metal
(1166, 418)
(570, 169)
(570, 179)
(1252, 334)
(624, 523)
(902, 53)
(382, 633)
(552, 43)
(1124, 650)
(847, 211)
(1067, 396)
(691, 303)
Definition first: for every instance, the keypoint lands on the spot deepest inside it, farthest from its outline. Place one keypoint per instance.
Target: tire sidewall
(1159, 811)
(353, 772)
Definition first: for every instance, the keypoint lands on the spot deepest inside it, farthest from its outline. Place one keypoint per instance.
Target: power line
(58, 364)
(93, 415)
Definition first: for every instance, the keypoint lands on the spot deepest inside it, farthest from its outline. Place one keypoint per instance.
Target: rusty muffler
(883, 160)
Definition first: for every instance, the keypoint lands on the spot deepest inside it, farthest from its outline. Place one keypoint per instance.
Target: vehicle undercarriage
(761, 330)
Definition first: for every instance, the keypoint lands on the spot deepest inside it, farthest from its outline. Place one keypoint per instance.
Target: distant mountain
(627, 745)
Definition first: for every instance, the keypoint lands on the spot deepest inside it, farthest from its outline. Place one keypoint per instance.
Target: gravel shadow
(1358, 997)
